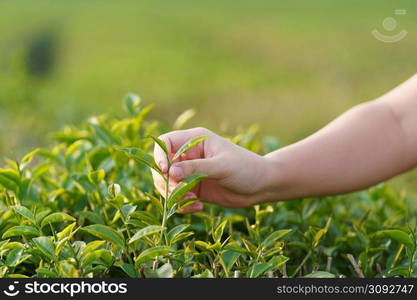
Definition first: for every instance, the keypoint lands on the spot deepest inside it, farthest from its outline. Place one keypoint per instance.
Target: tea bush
(87, 208)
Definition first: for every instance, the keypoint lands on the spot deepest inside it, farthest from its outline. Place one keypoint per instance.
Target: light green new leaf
(218, 232)
(277, 261)
(151, 253)
(183, 118)
(132, 104)
(187, 146)
(96, 177)
(161, 144)
(106, 233)
(275, 236)
(56, 217)
(66, 231)
(149, 230)
(27, 159)
(141, 157)
(183, 187)
(91, 246)
(21, 230)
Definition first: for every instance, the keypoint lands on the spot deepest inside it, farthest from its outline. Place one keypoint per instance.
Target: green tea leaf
(24, 212)
(317, 237)
(162, 145)
(92, 217)
(176, 230)
(275, 236)
(103, 134)
(45, 273)
(181, 236)
(149, 230)
(101, 254)
(96, 177)
(187, 146)
(66, 231)
(45, 245)
(129, 270)
(151, 253)
(127, 210)
(257, 270)
(21, 230)
(320, 274)
(27, 159)
(13, 257)
(145, 217)
(9, 179)
(56, 217)
(106, 233)
(165, 271)
(400, 236)
(183, 187)
(91, 246)
(40, 215)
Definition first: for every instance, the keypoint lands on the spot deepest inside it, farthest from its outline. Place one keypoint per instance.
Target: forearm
(364, 146)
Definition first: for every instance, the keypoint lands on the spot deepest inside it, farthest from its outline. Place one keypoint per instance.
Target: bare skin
(368, 144)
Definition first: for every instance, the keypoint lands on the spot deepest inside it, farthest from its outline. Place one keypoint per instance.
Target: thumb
(206, 166)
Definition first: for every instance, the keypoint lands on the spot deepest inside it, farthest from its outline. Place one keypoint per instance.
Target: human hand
(235, 175)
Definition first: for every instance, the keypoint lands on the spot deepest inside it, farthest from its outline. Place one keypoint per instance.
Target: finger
(159, 182)
(207, 166)
(175, 139)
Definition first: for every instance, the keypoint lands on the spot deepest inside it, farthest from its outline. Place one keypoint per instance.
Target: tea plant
(87, 207)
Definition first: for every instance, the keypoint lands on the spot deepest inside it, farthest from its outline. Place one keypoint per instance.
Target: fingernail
(177, 172)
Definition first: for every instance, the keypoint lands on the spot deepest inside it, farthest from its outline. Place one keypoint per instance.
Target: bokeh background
(288, 66)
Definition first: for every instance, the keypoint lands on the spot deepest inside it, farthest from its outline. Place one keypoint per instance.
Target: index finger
(173, 141)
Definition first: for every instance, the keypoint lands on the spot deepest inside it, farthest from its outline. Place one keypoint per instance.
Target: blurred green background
(289, 66)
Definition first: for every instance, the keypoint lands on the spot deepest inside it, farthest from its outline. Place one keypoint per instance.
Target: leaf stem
(164, 216)
(302, 263)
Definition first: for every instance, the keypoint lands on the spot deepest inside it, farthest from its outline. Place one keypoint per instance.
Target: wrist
(276, 179)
